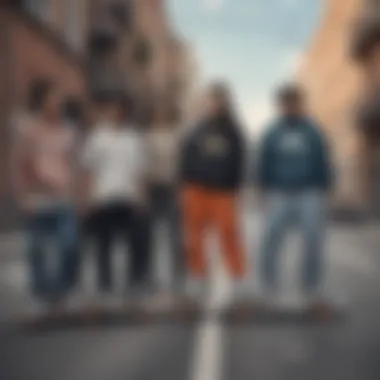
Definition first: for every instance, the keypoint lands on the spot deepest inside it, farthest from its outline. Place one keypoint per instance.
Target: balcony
(369, 114)
(121, 13)
(103, 39)
(142, 52)
(110, 22)
(104, 76)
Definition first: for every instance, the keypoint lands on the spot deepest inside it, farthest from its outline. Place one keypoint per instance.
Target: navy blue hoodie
(294, 156)
(213, 155)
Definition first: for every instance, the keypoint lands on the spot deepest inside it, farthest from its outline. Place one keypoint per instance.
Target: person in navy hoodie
(294, 174)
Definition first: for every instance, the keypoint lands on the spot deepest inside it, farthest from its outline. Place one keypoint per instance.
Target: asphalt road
(211, 349)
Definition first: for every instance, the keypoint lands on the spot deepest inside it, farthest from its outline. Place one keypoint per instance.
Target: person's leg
(36, 256)
(68, 240)
(196, 212)
(225, 218)
(172, 218)
(277, 218)
(103, 237)
(148, 223)
(137, 232)
(312, 219)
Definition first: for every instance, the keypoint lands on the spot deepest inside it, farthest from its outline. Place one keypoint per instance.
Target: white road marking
(208, 351)
(208, 345)
(15, 275)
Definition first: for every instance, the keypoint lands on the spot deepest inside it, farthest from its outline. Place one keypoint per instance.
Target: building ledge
(56, 41)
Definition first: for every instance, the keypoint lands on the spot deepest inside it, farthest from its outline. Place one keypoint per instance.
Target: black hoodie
(213, 155)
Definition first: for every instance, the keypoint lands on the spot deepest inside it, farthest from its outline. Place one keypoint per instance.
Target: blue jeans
(307, 210)
(59, 226)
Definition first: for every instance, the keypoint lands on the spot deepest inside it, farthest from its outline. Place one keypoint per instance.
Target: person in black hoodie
(212, 172)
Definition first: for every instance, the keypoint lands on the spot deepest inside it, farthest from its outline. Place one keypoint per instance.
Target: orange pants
(203, 208)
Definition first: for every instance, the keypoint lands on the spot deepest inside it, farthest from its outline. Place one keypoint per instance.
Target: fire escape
(366, 51)
(117, 57)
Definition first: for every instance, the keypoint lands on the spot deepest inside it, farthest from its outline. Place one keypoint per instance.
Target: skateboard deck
(123, 316)
(259, 312)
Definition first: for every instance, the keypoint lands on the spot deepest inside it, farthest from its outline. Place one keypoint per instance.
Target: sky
(253, 44)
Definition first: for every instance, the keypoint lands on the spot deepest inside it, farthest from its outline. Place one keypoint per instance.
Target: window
(39, 8)
(74, 22)
(143, 52)
(121, 12)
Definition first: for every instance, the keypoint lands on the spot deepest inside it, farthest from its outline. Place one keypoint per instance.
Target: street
(211, 349)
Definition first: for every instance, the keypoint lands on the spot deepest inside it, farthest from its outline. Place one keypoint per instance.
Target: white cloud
(293, 60)
(213, 5)
(257, 114)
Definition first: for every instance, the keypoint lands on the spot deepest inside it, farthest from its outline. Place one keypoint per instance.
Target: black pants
(108, 222)
(165, 208)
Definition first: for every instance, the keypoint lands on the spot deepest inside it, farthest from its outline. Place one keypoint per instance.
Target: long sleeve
(262, 175)
(239, 157)
(185, 155)
(20, 161)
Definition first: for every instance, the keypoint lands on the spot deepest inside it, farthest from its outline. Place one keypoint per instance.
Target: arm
(20, 163)
(325, 167)
(147, 164)
(86, 162)
(239, 157)
(185, 153)
(262, 169)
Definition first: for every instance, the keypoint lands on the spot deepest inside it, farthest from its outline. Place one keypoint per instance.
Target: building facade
(338, 78)
(31, 48)
(86, 46)
(134, 47)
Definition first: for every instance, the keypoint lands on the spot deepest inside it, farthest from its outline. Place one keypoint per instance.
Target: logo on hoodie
(294, 142)
(215, 145)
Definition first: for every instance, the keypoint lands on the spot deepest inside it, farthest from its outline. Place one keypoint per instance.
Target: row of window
(72, 17)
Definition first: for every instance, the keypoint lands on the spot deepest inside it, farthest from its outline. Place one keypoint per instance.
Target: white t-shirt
(116, 159)
(44, 159)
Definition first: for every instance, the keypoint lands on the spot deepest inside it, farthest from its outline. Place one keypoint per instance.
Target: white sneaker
(76, 302)
(313, 297)
(270, 298)
(242, 290)
(109, 301)
(195, 287)
(36, 309)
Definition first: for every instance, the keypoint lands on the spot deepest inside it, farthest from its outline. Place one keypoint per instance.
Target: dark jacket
(213, 155)
(294, 156)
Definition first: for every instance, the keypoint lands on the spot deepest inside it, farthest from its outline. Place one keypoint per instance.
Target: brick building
(366, 53)
(86, 46)
(339, 71)
(134, 47)
(31, 46)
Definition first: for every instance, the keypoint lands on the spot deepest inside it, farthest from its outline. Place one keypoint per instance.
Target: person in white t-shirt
(43, 164)
(114, 159)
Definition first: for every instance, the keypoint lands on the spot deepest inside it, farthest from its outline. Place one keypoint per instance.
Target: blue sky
(254, 44)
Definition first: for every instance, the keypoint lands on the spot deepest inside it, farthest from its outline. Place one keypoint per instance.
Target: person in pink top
(43, 173)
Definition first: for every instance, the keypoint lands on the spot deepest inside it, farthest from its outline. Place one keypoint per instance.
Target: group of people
(115, 179)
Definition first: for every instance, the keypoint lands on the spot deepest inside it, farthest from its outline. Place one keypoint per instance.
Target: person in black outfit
(114, 157)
